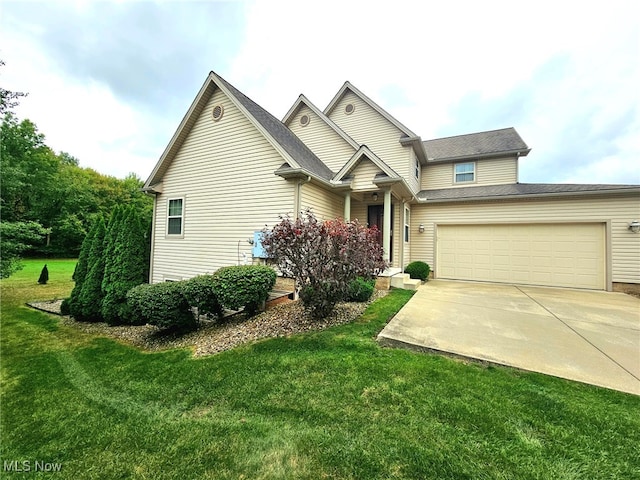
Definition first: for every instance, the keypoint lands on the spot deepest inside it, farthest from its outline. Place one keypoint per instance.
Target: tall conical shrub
(91, 293)
(79, 274)
(124, 269)
(44, 275)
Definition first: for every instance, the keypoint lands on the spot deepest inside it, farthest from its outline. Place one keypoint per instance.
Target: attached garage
(551, 254)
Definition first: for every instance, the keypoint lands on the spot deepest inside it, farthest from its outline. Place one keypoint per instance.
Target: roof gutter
(477, 156)
(418, 147)
(528, 196)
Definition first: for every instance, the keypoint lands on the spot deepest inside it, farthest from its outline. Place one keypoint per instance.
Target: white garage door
(559, 255)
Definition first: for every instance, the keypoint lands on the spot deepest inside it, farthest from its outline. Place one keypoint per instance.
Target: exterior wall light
(421, 228)
(375, 196)
(634, 226)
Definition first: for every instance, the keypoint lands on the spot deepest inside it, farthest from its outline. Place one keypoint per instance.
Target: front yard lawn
(329, 404)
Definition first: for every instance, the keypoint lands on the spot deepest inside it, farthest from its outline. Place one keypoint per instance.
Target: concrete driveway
(587, 336)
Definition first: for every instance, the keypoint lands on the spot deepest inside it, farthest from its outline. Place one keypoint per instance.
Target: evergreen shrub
(90, 298)
(418, 270)
(161, 304)
(245, 286)
(360, 290)
(200, 293)
(125, 267)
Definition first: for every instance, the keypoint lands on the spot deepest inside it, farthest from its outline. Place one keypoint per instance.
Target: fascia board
(304, 100)
(372, 104)
(530, 196)
(283, 153)
(506, 153)
(167, 155)
(355, 158)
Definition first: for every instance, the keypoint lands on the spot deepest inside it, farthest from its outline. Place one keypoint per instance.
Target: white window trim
(475, 173)
(407, 228)
(417, 168)
(181, 216)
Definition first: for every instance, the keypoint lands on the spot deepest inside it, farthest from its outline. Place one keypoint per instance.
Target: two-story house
(232, 168)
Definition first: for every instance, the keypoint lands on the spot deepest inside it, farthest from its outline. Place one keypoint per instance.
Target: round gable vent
(349, 108)
(304, 120)
(217, 112)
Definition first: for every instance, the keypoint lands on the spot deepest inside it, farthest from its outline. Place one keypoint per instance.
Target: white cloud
(565, 74)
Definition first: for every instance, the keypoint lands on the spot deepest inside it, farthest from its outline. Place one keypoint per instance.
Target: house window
(417, 172)
(464, 172)
(175, 216)
(406, 224)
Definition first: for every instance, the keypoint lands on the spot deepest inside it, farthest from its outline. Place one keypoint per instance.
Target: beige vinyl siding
(412, 181)
(368, 127)
(363, 176)
(623, 247)
(330, 147)
(359, 212)
(496, 171)
(224, 172)
(325, 205)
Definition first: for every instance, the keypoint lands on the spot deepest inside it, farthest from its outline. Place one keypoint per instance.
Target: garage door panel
(565, 255)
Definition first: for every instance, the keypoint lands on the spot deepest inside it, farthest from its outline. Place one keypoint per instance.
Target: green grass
(330, 404)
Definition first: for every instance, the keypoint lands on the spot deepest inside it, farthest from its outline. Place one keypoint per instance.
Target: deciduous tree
(323, 257)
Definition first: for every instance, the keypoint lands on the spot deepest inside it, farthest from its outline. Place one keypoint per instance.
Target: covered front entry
(375, 216)
(559, 255)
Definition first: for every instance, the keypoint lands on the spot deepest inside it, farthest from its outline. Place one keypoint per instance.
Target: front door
(376, 217)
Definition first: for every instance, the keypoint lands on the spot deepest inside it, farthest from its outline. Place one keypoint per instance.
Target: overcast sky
(109, 82)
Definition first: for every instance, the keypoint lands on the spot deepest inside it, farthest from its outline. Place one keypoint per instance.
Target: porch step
(390, 272)
(404, 281)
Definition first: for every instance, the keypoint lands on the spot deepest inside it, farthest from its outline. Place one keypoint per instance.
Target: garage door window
(465, 172)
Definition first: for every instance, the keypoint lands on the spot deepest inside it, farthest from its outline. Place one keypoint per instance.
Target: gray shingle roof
(515, 190)
(281, 134)
(479, 144)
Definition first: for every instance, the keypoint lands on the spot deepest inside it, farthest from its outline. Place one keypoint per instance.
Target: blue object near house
(258, 249)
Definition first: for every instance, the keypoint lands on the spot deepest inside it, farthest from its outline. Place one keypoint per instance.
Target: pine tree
(126, 268)
(90, 298)
(109, 276)
(80, 273)
(44, 275)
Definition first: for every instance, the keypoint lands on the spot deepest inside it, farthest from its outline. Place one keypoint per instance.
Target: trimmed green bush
(200, 292)
(360, 290)
(161, 304)
(418, 270)
(64, 307)
(245, 286)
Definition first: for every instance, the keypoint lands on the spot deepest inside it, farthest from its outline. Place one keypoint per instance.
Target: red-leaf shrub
(323, 257)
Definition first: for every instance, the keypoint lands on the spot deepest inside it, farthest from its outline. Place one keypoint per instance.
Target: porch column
(386, 225)
(347, 207)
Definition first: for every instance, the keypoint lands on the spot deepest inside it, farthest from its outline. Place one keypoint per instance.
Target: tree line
(48, 203)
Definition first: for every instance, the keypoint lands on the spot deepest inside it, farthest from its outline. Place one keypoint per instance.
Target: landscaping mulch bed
(282, 318)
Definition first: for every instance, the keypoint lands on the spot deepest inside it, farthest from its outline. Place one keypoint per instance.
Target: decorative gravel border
(212, 336)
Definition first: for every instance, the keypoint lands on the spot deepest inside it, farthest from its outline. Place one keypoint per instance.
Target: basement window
(175, 215)
(464, 172)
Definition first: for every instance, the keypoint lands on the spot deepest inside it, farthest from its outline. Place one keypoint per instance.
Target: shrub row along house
(231, 168)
